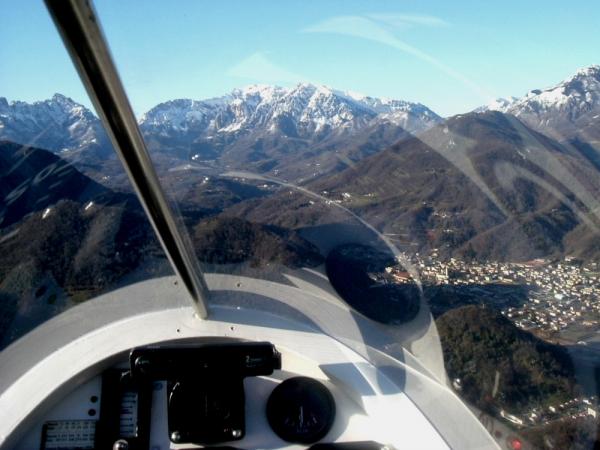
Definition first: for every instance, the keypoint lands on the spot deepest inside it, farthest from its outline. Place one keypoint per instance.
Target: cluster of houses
(559, 294)
(576, 408)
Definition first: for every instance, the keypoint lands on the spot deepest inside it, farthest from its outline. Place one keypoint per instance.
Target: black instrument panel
(205, 385)
(204, 401)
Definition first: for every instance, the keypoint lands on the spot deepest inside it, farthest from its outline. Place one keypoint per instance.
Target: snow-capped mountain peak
(256, 122)
(62, 100)
(554, 108)
(56, 124)
(305, 108)
(500, 104)
(282, 128)
(563, 110)
(590, 71)
(579, 89)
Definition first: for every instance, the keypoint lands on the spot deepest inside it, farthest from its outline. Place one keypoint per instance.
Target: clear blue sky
(450, 55)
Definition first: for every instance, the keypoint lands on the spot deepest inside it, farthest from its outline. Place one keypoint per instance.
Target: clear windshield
(70, 226)
(447, 216)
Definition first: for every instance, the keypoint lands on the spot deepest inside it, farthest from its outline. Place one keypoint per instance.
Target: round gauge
(301, 410)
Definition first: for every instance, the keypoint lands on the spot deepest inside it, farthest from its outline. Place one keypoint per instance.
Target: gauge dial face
(301, 409)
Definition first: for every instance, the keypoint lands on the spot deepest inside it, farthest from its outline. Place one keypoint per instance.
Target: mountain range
(297, 132)
(568, 110)
(482, 184)
(59, 124)
(522, 171)
(304, 111)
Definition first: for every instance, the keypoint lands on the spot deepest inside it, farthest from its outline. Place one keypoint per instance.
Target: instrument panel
(226, 395)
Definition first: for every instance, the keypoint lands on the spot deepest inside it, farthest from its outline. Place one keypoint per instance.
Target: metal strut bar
(80, 30)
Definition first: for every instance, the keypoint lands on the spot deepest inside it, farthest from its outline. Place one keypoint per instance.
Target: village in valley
(555, 300)
(548, 298)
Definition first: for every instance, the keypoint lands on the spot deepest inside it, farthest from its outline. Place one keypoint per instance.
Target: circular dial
(301, 410)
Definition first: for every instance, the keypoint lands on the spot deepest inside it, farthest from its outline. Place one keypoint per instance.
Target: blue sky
(450, 55)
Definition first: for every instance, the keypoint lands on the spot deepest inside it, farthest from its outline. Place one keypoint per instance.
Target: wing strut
(80, 30)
